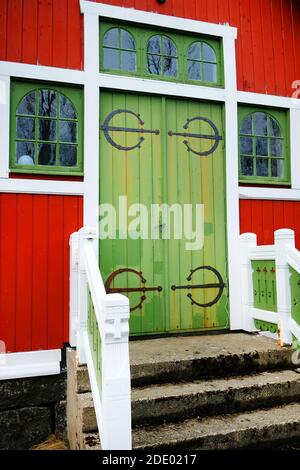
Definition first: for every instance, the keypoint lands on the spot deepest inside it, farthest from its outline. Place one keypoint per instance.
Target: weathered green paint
(163, 171)
(266, 326)
(295, 294)
(264, 285)
(95, 340)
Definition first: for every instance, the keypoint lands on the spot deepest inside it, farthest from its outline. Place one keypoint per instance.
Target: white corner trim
(29, 364)
(40, 72)
(261, 99)
(30, 186)
(160, 87)
(159, 20)
(274, 194)
(4, 124)
(264, 315)
(295, 148)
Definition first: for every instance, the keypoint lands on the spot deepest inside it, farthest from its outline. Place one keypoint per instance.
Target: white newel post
(85, 234)
(283, 238)
(116, 386)
(247, 242)
(73, 328)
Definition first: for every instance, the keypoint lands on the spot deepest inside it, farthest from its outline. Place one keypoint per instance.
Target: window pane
(194, 51)
(262, 167)
(25, 128)
(277, 168)
(25, 153)
(47, 129)
(210, 73)
(47, 103)
(194, 70)
(276, 148)
(260, 124)
(111, 59)
(274, 128)
(46, 154)
(111, 38)
(169, 47)
(68, 131)
(27, 105)
(246, 127)
(153, 46)
(154, 64)
(128, 61)
(246, 144)
(68, 155)
(66, 108)
(170, 67)
(127, 41)
(208, 53)
(247, 166)
(262, 146)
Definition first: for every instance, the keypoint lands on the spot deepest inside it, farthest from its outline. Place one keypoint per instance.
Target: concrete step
(234, 431)
(174, 402)
(195, 357)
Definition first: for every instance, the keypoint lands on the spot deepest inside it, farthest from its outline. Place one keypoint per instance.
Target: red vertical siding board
(289, 46)
(268, 223)
(201, 11)
(267, 59)
(74, 22)
(257, 221)
(40, 273)
(280, 85)
(3, 28)
(45, 32)
(257, 32)
(278, 215)
(59, 47)
(288, 215)
(212, 12)
(297, 224)
(55, 272)
(14, 30)
(296, 29)
(8, 245)
(23, 285)
(30, 31)
(234, 16)
(246, 39)
(245, 216)
(223, 9)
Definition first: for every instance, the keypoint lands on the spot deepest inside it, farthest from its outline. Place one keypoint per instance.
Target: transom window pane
(119, 51)
(46, 130)
(261, 147)
(162, 56)
(202, 62)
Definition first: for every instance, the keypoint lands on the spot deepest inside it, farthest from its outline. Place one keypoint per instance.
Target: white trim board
(29, 364)
(159, 20)
(275, 194)
(41, 72)
(31, 186)
(261, 99)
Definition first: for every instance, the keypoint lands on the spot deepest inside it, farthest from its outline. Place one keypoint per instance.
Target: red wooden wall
(50, 32)
(264, 217)
(34, 269)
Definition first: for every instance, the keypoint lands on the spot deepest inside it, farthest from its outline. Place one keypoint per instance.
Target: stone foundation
(31, 409)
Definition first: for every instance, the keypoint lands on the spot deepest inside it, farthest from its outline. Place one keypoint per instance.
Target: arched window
(162, 56)
(202, 63)
(262, 147)
(119, 50)
(46, 128)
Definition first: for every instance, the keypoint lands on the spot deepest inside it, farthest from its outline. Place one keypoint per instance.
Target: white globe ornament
(25, 160)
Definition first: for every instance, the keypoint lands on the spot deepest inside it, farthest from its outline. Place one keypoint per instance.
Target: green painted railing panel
(95, 341)
(295, 294)
(266, 326)
(264, 285)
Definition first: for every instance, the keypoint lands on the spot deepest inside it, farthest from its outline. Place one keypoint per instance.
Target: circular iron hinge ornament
(218, 285)
(125, 290)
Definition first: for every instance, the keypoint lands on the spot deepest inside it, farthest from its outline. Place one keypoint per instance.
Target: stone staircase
(225, 391)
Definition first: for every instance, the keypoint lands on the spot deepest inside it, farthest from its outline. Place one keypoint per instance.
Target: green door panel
(162, 170)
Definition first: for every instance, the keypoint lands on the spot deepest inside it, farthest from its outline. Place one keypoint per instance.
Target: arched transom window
(202, 62)
(45, 131)
(162, 56)
(119, 51)
(262, 147)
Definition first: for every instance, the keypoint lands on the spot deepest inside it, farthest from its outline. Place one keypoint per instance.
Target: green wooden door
(155, 151)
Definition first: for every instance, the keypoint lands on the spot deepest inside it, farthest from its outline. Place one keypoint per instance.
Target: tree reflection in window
(202, 62)
(119, 52)
(162, 57)
(46, 130)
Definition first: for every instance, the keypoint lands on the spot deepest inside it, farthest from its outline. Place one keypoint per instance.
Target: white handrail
(102, 343)
(285, 256)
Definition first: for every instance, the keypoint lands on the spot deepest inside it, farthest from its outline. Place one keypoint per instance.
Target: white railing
(285, 256)
(99, 329)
